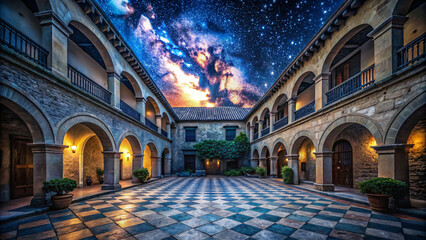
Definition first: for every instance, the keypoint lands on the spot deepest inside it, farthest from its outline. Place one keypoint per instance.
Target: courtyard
(218, 207)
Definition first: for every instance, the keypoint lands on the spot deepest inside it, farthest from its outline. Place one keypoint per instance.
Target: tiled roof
(211, 114)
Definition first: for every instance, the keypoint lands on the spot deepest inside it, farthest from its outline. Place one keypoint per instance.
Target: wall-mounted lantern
(128, 155)
(73, 148)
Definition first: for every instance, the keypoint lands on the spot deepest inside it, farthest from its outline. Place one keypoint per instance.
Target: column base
(110, 187)
(324, 187)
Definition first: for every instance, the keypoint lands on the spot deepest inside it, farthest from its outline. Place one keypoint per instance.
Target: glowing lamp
(128, 156)
(73, 148)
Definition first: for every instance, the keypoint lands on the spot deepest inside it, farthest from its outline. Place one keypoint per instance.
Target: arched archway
(131, 157)
(265, 160)
(254, 161)
(255, 123)
(302, 158)
(165, 125)
(265, 121)
(280, 109)
(279, 152)
(151, 160)
(166, 162)
(303, 94)
(152, 114)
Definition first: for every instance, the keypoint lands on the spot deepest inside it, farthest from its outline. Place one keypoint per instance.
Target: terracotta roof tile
(211, 114)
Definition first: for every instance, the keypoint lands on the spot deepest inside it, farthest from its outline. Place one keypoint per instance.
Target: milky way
(216, 52)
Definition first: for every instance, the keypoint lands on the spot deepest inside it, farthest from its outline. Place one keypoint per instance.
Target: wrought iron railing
(17, 41)
(354, 84)
(164, 133)
(281, 123)
(265, 131)
(151, 125)
(129, 111)
(412, 52)
(255, 136)
(305, 110)
(88, 85)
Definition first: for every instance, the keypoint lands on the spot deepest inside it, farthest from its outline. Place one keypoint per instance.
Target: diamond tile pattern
(217, 208)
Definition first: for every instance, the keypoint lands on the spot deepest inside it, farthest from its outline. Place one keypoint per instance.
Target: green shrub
(385, 186)
(260, 171)
(141, 174)
(245, 170)
(232, 172)
(60, 186)
(99, 172)
(287, 175)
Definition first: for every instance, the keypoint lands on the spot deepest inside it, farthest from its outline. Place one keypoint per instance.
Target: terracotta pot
(378, 202)
(62, 201)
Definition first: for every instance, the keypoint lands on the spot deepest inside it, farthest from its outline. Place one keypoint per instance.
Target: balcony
(151, 125)
(16, 40)
(88, 85)
(352, 85)
(164, 133)
(266, 131)
(255, 136)
(281, 123)
(305, 110)
(412, 52)
(129, 111)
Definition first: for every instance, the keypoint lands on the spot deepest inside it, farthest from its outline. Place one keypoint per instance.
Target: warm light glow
(286, 159)
(207, 162)
(128, 155)
(372, 142)
(218, 163)
(73, 148)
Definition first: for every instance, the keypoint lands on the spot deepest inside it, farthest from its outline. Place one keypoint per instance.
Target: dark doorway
(22, 167)
(268, 164)
(189, 162)
(342, 164)
(281, 163)
(212, 167)
(163, 156)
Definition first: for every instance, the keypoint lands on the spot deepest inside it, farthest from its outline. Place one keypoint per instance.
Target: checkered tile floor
(217, 208)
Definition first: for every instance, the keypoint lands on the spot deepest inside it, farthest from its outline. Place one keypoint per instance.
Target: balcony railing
(151, 125)
(130, 111)
(255, 136)
(352, 85)
(305, 110)
(281, 123)
(412, 52)
(164, 133)
(265, 131)
(88, 85)
(17, 41)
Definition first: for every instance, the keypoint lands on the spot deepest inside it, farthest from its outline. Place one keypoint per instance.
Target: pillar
(324, 171)
(262, 163)
(274, 167)
(293, 163)
(136, 164)
(393, 161)
(111, 170)
(254, 162)
(114, 88)
(252, 133)
(47, 165)
(140, 107)
(291, 110)
(158, 123)
(388, 38)
(272, 120)
(260, 126)
(169, 130)
(55, 35)
(167, 167)
(155, 167)
(322, 84)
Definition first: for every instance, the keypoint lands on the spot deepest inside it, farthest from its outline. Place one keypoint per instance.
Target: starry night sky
(217, 52)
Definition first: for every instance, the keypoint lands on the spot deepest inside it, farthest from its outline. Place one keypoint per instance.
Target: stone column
(158, 122)
(388, 38)
(291, 110)
(167, 167)
(293, 163)
(252, 133)
(262, 163)
(393, 161)
(324, 171)
(272, 120)
(260, 126)
(136, 164)
(111, 170)
(114, 88)
(254, 162)
(140, 107)
(321, 88)
(169, 131)
(55, 35)
(155, 167)
(47, 165)
(274, 167)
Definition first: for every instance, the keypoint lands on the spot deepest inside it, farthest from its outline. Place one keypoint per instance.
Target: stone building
(74, 97)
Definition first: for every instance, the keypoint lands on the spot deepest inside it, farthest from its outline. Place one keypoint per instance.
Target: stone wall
(306, 155)
(92, 159)
(126, 165)
(417, 161)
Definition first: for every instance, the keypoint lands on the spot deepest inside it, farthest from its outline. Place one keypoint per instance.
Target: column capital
(324, 154)
(141, 99)
(112, 153)
(47, 147)
(273, 113)
(294, 157)
(322, 76)
(391, 148)
(254, 159)
(273, 158)
(50, 18)
(252, 126)
(292, 100)
(138, 155)
(392, 22)
(114, 74)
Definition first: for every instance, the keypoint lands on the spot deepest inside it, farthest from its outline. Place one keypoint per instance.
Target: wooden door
(189, 162)
(22, 167)
(342, 164)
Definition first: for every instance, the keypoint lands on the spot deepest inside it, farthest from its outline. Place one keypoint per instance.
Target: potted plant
(88, 180)
(141, 174)
(379, 190)
(62, 188)
(261, 171)
(100, 173)
(287, 173)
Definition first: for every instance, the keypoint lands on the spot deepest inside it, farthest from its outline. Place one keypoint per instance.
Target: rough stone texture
(306, 154)
(126, 165)
(92, 159)
(417, 161)
(10, 124)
